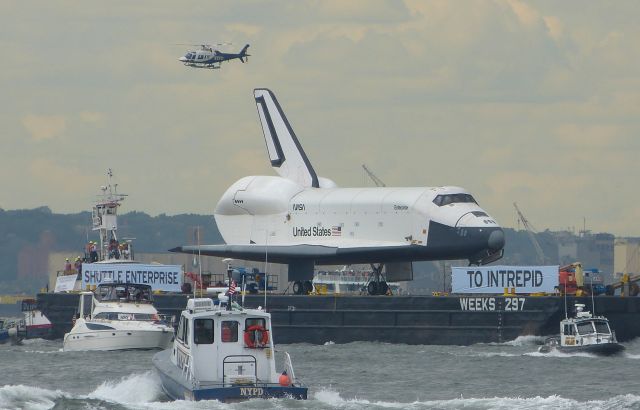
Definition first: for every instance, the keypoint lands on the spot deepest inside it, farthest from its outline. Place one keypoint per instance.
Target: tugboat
(224, 353)
(117, 317)
(34, 324)
(585, 334)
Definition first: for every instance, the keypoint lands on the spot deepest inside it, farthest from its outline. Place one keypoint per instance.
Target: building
(592, 250)
(627, 256)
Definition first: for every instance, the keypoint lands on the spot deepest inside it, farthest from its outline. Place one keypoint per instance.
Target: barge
(444, 320)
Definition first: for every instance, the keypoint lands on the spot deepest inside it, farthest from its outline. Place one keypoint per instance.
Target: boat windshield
(584, 328)
(126, 316)
(602, 326)
(128, 292)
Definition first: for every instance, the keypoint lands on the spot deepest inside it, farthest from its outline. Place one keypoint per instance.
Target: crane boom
(373, 177)
(532, 237)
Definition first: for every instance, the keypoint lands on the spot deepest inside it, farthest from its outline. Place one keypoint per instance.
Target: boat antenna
(199, 262)
(243, 287)
(593, 302)
(229, 271)
(566, 316)
(266, 264)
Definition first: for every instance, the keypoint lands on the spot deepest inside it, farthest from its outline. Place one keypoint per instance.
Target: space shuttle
(303, 220)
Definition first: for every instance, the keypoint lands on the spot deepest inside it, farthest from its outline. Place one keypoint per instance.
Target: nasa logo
(400, 207)
(238, 201)
(298, 207)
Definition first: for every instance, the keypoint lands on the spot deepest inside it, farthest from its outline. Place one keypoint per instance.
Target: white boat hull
(117, 340)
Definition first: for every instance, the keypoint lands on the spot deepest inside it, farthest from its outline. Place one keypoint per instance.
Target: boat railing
(214, 385)
(288, 367)
(552, 341)
(238, 377)
(341, 278)
(168, 319)
(187, 370)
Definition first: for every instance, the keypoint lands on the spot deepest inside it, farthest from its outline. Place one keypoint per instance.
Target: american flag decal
(232, 287)
(336, 231)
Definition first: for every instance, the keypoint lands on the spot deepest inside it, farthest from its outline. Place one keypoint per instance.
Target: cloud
(44, 127)
(91, 116)
(589, 135)
(66, 178)
(554, 26)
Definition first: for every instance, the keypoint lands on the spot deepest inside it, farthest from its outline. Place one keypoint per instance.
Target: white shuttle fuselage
(273, 211)
(304, 220)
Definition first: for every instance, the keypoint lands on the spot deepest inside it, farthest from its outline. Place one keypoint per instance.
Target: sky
(534, 102)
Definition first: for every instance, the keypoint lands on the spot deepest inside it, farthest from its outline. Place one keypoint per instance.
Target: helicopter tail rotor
(243, 54)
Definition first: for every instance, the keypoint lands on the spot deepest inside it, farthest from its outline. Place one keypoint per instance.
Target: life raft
(256, 336)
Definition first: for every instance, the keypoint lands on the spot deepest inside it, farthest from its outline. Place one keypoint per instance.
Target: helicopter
(207, 56)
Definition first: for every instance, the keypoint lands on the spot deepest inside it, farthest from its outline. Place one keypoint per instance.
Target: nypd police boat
(226, 354)
(584, 333)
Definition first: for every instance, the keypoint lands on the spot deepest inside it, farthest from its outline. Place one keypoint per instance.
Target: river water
(38, 375)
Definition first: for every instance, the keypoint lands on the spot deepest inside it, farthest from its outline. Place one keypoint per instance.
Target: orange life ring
(253, 340)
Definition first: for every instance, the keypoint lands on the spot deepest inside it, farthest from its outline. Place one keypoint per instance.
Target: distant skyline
(534, 102)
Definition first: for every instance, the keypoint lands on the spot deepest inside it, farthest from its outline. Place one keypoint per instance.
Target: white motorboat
(226, 355)
(584, 333)
(118, 316)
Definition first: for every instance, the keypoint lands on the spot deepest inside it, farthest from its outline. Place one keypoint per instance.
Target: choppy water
(38, 375)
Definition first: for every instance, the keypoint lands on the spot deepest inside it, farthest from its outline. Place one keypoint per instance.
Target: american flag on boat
(232, 287)
(336, 231)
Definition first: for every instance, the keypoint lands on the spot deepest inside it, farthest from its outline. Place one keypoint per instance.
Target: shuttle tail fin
(285, 152)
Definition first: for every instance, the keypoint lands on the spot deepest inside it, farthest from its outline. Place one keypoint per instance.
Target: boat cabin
(224, 347)
(124, 292)
(118, 301)
(584, 329)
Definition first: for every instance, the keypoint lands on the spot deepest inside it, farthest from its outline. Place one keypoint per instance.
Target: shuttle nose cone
(496, 240)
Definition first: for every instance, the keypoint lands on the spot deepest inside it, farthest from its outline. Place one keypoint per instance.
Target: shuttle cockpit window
(442, 200)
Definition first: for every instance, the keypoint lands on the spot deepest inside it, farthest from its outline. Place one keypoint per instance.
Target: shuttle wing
(285, 152)
(320, 254)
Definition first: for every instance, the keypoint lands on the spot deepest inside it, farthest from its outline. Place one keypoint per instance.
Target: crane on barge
(531, 232)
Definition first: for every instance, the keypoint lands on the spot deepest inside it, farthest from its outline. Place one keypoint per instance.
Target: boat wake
(554, 353)
(529, 340)
(495, 354)
(328, 399)
(22, 397)
(134, 389)
(142, 391)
